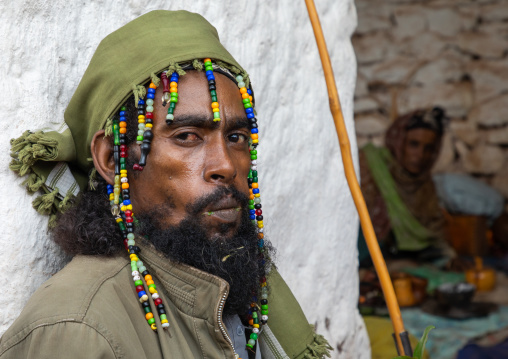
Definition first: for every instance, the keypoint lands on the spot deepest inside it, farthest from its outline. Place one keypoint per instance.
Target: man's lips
(226, 210)
(223, 204)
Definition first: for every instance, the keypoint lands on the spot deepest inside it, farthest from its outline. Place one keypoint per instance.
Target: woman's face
(419, 149)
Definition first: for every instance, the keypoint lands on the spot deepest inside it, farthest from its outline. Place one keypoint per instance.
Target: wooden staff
(401, 336)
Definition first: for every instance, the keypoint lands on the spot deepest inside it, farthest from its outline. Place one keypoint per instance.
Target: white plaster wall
(45, 47)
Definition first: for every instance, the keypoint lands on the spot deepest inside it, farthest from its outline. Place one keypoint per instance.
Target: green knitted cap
(58, 162)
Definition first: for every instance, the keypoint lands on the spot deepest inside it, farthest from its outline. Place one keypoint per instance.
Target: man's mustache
(205, 201)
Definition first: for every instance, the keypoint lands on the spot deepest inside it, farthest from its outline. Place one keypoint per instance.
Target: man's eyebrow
(194, 121)
(233, 123)
(237, 123)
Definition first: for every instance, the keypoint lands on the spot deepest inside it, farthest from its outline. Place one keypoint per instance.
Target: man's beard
(234, 258)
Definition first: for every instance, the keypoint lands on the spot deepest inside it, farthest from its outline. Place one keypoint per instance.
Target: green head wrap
(58, 162)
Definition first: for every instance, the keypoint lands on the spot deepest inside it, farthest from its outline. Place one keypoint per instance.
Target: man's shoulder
(71, 291)
(69, 294)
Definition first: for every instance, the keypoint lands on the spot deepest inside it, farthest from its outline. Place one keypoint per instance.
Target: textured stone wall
(46, 46)
(452, 53)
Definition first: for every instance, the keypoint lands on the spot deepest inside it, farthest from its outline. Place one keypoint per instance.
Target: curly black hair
(88, 227)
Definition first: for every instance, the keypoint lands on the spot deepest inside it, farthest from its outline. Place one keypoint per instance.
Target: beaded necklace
(121, 207)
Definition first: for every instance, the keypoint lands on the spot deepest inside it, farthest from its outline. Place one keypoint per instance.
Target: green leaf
(420, 347)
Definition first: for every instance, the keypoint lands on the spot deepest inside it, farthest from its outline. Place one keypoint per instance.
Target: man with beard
(170, 259)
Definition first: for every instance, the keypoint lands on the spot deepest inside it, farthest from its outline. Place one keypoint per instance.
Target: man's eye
(238, 138)
(188, 136)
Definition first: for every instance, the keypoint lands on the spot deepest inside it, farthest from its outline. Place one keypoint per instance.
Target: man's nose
(219, 164)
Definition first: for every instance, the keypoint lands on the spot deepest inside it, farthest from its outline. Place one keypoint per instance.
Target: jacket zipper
(221, 324)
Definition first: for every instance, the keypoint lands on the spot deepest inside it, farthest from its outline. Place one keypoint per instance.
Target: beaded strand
(213, 89)
(258, 315)
(165, 88)
(173, 96)
(125, 218)
(145, 123)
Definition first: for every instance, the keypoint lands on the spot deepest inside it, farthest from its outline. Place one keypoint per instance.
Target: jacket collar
(193, 291)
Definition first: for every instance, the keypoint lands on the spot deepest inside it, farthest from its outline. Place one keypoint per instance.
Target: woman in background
(397, 185)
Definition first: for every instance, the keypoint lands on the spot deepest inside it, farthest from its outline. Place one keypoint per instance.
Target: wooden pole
(345, 149)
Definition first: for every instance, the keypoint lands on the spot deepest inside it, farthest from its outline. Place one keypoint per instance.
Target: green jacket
(90, 310)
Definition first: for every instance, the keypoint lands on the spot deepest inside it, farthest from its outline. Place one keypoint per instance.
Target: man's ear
(102, 155)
